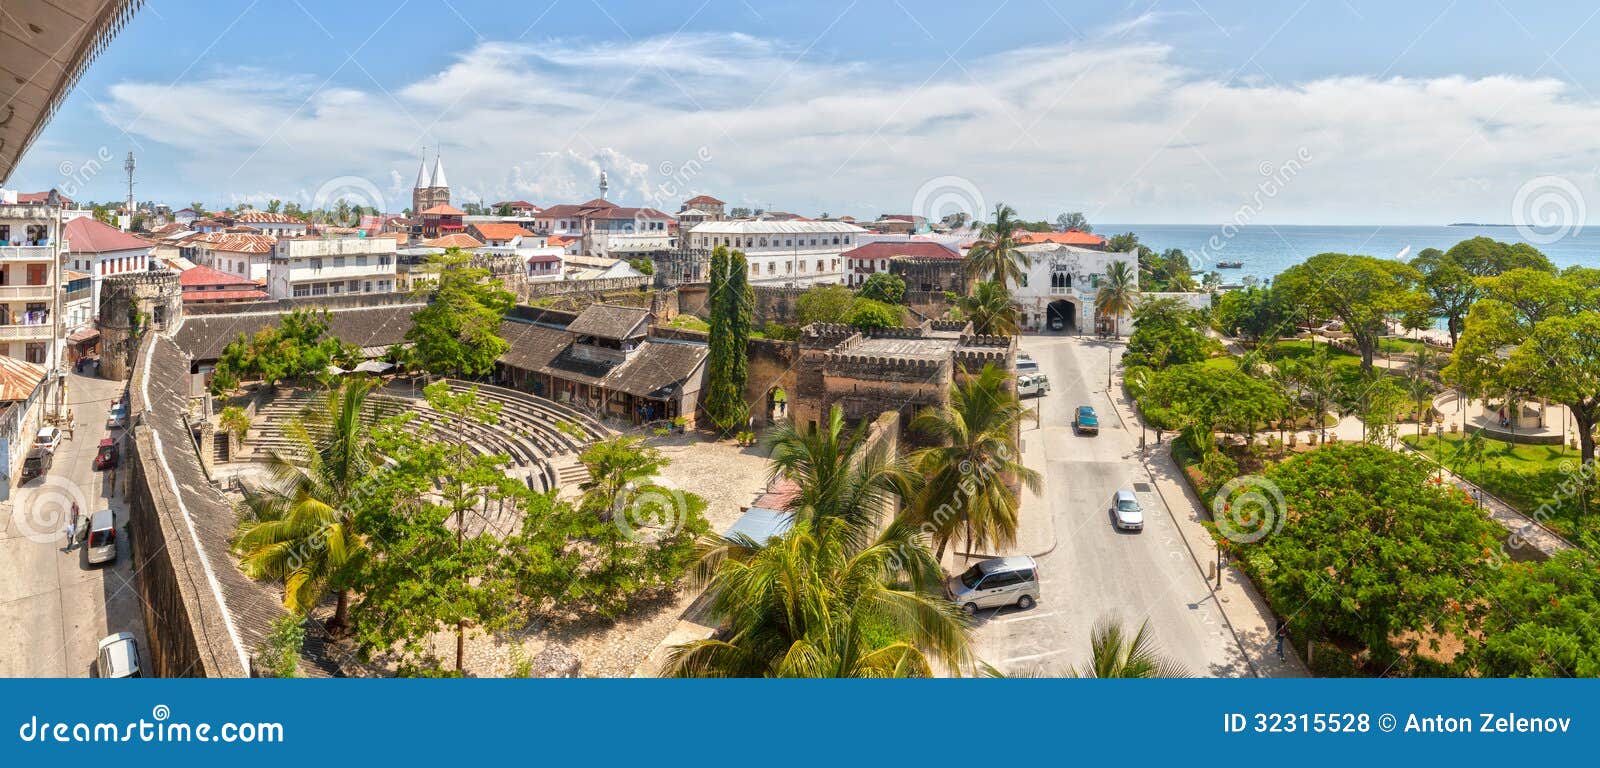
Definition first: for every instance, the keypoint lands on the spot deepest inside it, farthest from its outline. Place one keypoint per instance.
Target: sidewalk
(1245, 611)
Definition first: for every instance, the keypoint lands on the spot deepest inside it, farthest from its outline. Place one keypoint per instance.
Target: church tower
(431, 189)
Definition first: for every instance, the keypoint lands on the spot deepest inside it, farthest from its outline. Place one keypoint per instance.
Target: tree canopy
(1166, 332)
(458, 331)
(297, 347)
(727, 365)
(1450, 278)
(884, 287)
(1205, 399)
(1362, 292)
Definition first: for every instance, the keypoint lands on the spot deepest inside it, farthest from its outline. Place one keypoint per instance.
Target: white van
(1029, 385)
(119, 656)
(103, 537)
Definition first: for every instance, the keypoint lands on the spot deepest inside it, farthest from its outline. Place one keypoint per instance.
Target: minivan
(994, 583)
(103, 537)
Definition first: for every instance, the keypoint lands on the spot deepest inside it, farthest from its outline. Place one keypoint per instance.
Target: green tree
(825, 304)
(644, 266)
(1254, 313)
(994, 257)
(1074, 220)
(1166, 332)
(298, 347)
(971, 470)
(234, 422)
(1534, 334)
(837, 471)
(1363, 292)
(884, 287)
(458, 332)
(280, 651)
(1204, 400)
(867, 314)
(298, 528)
(990, 309)
(274, 205)
(1540, 619)
(1113, 654)
(1118, 293)
(1449, 278)
(728, 363)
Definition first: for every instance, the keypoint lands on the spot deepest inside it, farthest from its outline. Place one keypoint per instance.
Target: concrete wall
(343, 301)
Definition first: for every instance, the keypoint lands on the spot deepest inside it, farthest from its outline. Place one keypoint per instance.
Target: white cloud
(1122, 131)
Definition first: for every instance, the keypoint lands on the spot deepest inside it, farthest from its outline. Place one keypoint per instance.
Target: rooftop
(500, 230)
(611, 321)
(747, 227)
(915, 248)
(443, 209)
(87, 235)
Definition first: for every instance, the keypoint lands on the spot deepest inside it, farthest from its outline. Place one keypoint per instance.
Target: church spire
(422, 171)
(438, 172)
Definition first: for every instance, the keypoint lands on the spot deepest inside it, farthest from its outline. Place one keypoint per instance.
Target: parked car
(103, 537)
(1126, 513)
(1084, 422)
(994, 583)
(1032, 384)
(37, 463)
(117, 418)
(107, 456)
(119, 656)
(1026, 364)
(1056, 323)
(47, 438)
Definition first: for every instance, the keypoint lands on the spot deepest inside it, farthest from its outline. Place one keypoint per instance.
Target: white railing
(26, 252)
(34, 332)
(26, 292)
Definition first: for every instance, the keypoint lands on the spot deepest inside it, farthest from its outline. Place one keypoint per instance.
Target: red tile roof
(235, 242)
(1069, 237)
(916, 248)
(240, 295)
(703, 199)
(515, 204)
(494, 230)
(86, 235)
(456, 240)
(201, 275)
(25, 198)
(444, 209)
(265, 217)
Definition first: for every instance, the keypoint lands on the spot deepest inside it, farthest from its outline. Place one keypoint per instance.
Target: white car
(47, 439)
(1126, 513)
(119, 656)
(1032, 385)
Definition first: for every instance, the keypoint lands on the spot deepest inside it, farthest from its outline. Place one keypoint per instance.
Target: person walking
(1282, 631)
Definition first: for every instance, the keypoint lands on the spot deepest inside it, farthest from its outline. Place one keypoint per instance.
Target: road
(1095, 571)
(54, 606)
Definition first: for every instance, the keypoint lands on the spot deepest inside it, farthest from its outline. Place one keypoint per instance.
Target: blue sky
(1134, 112)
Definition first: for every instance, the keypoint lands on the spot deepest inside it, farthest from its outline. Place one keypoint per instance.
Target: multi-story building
(795, 253)
(431, 189)
(608, 230)
(331, 266)
(100, 250)
(276, 224)
(869, 259)
(1061, 282)
(204, 285)
(241, 255)
(30, 239)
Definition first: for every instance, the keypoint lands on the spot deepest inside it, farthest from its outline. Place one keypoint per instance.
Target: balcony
(27, 252)
(27, 292)
(35, 332)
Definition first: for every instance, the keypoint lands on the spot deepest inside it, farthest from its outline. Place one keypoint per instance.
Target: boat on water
(1230, 265)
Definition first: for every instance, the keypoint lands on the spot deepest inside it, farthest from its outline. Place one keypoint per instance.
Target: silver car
(119, 656)
(996, 583)
(103, 537)
(1126, 512)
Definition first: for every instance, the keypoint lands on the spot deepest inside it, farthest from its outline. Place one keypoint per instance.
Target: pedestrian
(1282, 630)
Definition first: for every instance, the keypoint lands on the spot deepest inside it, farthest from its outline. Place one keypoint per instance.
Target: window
(316, 263)
(789, 242)
(771, 267)
(753, 270)
(846, 239)
(34, 352)
(819, 265)
(1060, 282)
(302, 290)
(338, 261)
(367, 287)
(802, 266)
(763, 242)
(383, 261)
(361, 261)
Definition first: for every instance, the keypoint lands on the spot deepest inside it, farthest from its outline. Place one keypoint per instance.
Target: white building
(30, 238)
(236, 253)
(275, 224)
(798, 253)
(331, 266)
(101, 250)
(1062, 282)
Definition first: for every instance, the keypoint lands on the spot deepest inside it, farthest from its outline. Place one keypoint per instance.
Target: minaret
(604, 185)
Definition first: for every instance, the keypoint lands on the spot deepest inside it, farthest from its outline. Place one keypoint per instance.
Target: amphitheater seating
(540, 436)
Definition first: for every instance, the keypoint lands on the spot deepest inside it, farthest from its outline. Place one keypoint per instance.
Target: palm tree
(837, 472)
(1321, 385)
(810, 604)
(1114, 654)
(990, 309)
(995, 255)
(970, 472)
(298, 528)
(1118, 293)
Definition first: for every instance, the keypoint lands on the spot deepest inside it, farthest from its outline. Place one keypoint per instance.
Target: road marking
(1034, 656)
(1026, 617)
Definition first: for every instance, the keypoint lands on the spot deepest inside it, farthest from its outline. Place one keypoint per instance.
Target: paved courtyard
(54, 606)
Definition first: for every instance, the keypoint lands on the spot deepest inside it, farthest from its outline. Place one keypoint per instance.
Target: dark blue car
(1085, 422)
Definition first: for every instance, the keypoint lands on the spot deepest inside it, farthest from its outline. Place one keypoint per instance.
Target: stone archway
(1067, 311)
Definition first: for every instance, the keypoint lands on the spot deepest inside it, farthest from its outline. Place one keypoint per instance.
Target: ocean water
(1265, 251)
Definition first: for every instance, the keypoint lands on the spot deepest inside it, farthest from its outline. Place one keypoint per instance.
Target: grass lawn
(1398, 346)
(1524, 476)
